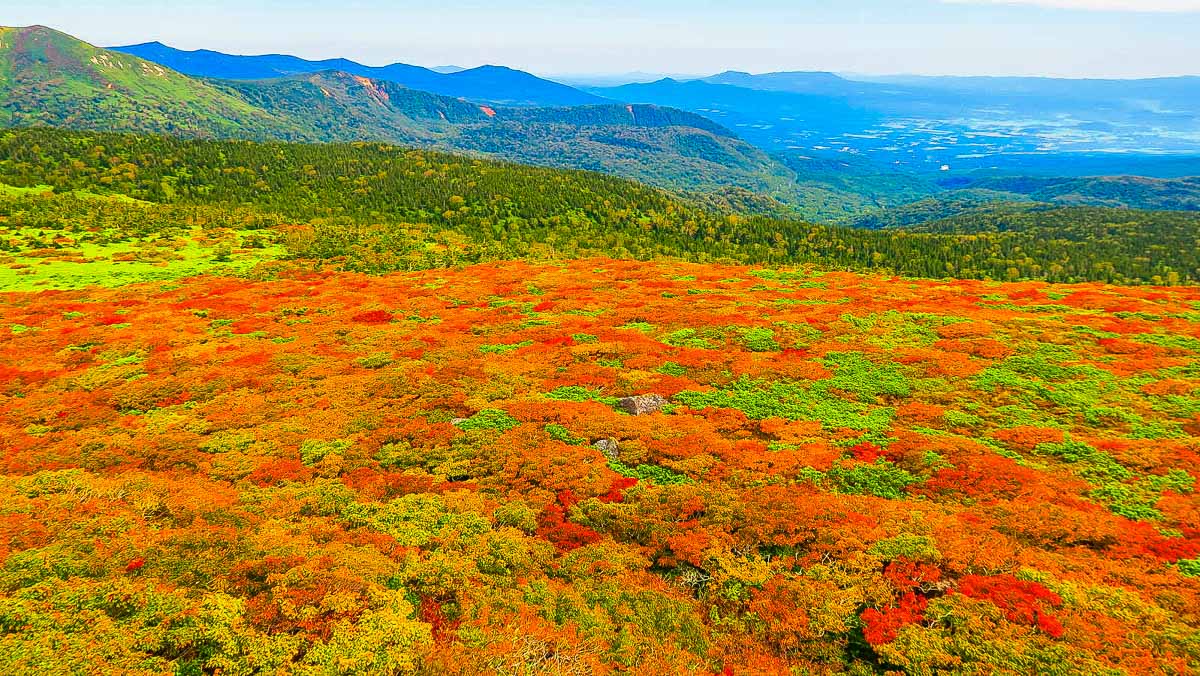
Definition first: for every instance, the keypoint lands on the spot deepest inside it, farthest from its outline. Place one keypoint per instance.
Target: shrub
(906, 546)
(375, 361)
(313, 451)
(760, 339)
(652, 473)
(882, 479)
(501, 349)
(490, 419)
(560, 433)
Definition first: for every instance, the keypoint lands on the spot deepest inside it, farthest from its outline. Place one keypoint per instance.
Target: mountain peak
(36, 30)
(490, 68)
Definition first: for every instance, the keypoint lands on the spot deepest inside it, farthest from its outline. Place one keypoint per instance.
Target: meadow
(313, 470)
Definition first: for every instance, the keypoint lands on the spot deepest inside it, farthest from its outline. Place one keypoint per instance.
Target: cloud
(1097, 5)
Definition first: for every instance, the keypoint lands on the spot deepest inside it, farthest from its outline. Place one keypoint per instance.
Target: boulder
(609, 447)
(643, 404)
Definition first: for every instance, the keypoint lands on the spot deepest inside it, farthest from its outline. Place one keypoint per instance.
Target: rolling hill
(495, 85)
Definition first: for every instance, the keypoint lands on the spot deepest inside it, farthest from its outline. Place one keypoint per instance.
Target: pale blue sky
(1111, 38)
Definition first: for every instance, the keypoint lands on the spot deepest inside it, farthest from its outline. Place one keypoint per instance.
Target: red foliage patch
(882, 626)
(432, 612)
(616, 492)
(373, 317)
(554, 526)
(866, 452)
(1023, 602)
(906, 575)
(276, 471)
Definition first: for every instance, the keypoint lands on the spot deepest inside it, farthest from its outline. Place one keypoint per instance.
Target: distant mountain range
(495, 85)
(684, 136)
(48, 78)
(921, 124)
(961, 124)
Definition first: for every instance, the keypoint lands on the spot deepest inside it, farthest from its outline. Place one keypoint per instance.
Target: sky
(1060, 38)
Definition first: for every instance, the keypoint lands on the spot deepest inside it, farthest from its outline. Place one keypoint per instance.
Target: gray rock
(609, 447)
(643, 404)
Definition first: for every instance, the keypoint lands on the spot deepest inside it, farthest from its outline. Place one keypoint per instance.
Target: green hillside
(373, 207)
(1137, 192)
(48, 78)
(51, 79)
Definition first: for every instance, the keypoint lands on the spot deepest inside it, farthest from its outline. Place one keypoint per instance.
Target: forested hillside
(48, 78)
(1137, 192)
(55, 80)
(377, 207)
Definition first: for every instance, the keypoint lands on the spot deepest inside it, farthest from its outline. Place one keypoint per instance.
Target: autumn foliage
(324, 472)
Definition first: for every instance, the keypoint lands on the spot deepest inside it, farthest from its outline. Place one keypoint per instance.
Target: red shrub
(866, 452)
(1022, 602)
(906, 575)
(881, 626)
(553, 525)
(275, 471)
(373, 317)
(616, 492)
(432, 613)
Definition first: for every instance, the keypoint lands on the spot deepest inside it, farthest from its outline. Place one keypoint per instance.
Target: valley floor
(433, 472)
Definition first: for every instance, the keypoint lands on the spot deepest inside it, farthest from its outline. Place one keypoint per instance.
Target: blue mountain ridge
(486, 84)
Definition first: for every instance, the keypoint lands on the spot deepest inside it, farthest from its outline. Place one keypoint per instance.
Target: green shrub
(791, 401)
(687, 338)
(560, 433)
(856, 374)
(575, 393)
(313, 451)
(672, 369)
(490, 419)
(906, 546)
(760, 339)
(375, 361)
(501, 349)
(882, 479)
(652, 473)
(637, 326)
